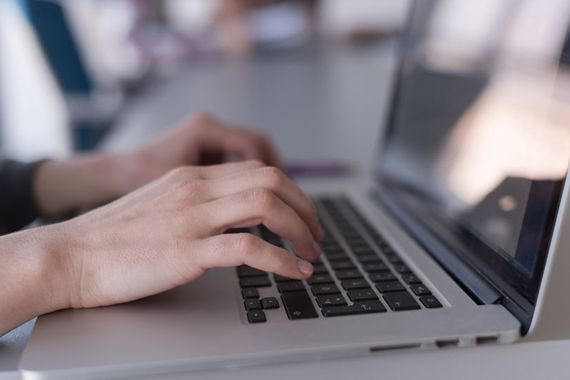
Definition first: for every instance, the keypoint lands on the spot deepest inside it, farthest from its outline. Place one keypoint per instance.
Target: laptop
(453, 241)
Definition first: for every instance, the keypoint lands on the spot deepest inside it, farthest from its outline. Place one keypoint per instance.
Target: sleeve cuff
(18, 206)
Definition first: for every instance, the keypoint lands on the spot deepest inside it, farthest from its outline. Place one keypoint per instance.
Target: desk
(334, 99)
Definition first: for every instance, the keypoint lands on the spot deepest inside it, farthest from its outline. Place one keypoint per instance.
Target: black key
(430, 302)
(348, 274)
(345, 264)
(338, 256)
(269, 236)
(369, 259)
(393, 258)
(254, 282)
(375, 267)
(355, 284)
(402, 268)
(256, 316)
(278, 278)
(420, 290)
(269, 303)
(362, 295)
(250, 293)
(329, 238)
(319, 268)
(292, 286)
(322, 289)
(363, 251)
(358, 244)
(389, 286)
(410, 279)
(399, 301)
(245, 271)
(320, 279)
(380, 277)
(252, 304)
(298, 305)
(331, 247)
(365, 307)
(331, 300)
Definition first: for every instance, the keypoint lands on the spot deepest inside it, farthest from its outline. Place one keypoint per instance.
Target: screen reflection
(481, 123)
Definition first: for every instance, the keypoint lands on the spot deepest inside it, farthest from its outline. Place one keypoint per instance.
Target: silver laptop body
(477, 233)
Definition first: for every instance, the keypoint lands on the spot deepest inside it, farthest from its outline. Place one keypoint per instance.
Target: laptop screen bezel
(512, 284)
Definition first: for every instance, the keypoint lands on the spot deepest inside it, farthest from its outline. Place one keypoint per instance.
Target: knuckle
(245, 244)
(274, 177)
(194, 189)
(255, 164)
(180, 173)
(263, 199)
(201, 172)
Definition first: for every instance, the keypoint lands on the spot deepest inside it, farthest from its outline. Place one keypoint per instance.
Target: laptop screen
(478, 140)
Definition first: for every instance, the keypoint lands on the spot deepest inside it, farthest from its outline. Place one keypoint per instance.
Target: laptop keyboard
(358, 273)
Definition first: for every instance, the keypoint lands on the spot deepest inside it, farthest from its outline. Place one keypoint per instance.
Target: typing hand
(91, 180)
(199, 140)
(170, 232)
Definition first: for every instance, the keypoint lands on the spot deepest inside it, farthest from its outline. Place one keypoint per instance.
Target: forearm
(32, 276)
(81, 182)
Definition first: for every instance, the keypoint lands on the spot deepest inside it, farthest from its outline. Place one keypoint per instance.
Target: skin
(161, 235)
(86, 181)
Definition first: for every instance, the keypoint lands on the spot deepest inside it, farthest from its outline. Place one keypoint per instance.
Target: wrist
(128, 169)
(88, 181)
(53, 269)
(34, 275)
(121, 170)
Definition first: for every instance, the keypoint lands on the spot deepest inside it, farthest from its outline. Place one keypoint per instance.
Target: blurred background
(71, 70)
(77, 75)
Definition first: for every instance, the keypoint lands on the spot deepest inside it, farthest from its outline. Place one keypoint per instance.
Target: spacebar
(298, 305)
(357, 308)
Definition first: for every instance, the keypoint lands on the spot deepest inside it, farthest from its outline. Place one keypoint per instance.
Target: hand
(94, 179)
(200, 140)
(171, 231)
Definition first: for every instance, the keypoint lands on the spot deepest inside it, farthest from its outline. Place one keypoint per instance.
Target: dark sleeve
(17, 204)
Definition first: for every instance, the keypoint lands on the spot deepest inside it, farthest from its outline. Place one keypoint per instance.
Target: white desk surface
(334, 100)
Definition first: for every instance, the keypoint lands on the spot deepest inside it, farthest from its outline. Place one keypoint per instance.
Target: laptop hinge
(472, 282)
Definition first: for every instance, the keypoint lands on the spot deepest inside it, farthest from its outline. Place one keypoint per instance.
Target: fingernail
(305, 267)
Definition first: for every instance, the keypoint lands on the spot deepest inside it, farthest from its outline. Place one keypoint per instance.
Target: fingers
(222, 170)
(237, 249)
(253, 207)
(275, 180)
(250, 145)
(188, 174)
(268, 150)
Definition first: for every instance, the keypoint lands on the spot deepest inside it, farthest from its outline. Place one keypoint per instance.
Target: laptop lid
(477, 141)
